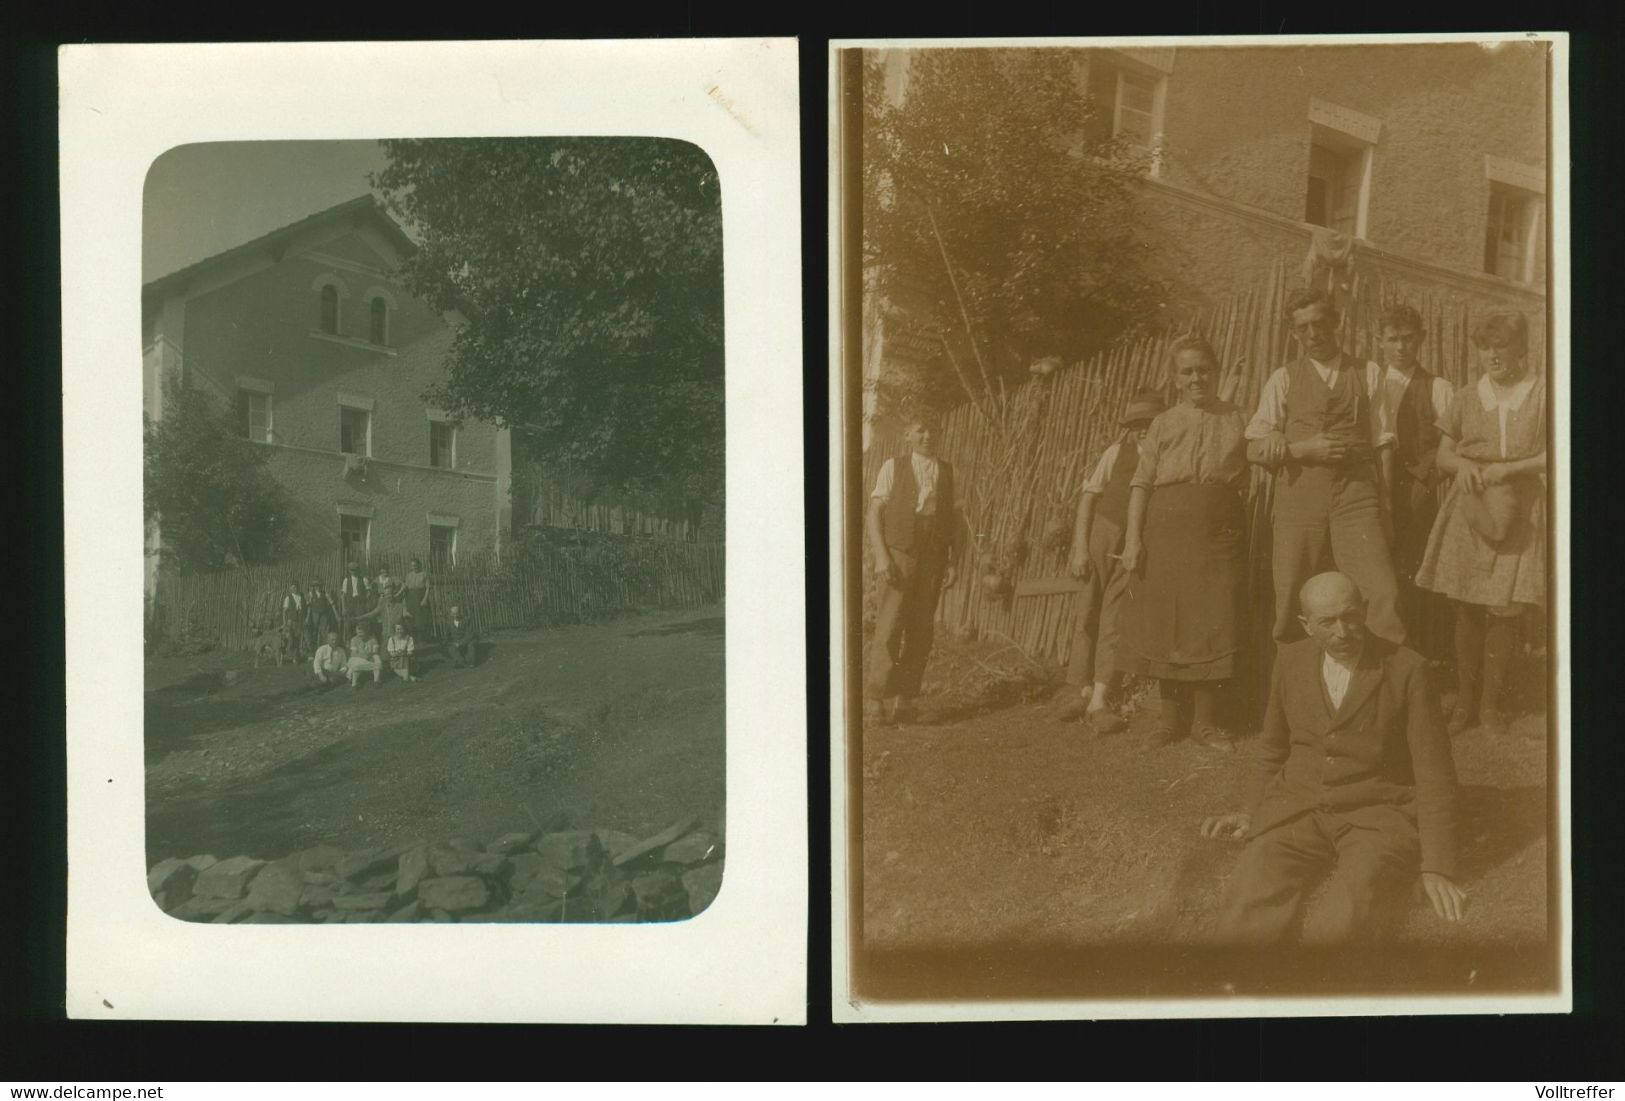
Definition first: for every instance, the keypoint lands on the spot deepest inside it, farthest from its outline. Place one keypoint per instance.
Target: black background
(38, 1044)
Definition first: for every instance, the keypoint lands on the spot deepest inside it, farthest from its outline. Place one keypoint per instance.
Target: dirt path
(1011, 827)
(615, 726)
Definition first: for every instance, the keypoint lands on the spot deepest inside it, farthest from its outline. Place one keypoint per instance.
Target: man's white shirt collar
(1336, 676)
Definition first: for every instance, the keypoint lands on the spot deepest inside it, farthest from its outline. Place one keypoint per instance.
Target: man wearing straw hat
(1097, 540)
(910, 526)
(1320, 427)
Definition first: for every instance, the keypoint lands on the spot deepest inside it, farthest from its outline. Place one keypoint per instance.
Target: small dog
(272, 641)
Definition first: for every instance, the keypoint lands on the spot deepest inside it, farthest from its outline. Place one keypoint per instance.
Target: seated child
(364, 657)
(399, 647)
(331, 662)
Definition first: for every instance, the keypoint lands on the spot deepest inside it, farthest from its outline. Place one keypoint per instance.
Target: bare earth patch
(1005, 826)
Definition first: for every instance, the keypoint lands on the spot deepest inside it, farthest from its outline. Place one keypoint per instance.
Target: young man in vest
(1413, 403)
(911, 530)
(1320, 430)
(1097, 540)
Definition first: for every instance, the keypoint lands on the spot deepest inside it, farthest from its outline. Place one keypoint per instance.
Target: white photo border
(847, 1005)
(743, 960)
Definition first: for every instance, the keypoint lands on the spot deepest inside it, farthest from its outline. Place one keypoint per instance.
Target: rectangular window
(354, 534)
(442, 445)
(442, 546)
(1336, 193)
(355, 431)
(1126, 97)
(1510, 233)
(1135, 117)
(254, 415)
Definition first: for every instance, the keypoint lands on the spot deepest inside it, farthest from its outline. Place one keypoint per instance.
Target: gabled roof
(364, 209)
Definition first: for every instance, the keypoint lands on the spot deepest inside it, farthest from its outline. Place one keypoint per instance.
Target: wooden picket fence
(1021, 466)
(571, 578)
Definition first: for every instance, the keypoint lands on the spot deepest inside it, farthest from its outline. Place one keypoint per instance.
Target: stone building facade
(1423, 165)
(325, 357)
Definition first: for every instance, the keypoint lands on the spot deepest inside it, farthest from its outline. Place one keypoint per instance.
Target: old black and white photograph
(434, 487)
(1198, 464)
(439, 444)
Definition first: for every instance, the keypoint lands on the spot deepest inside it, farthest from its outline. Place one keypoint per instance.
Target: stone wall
(557, 876)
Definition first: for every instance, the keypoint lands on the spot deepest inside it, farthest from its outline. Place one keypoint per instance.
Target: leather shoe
(1072, 706)
(1105, 721)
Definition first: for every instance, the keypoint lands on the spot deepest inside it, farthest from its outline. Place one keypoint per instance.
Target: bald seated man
(1352, 776)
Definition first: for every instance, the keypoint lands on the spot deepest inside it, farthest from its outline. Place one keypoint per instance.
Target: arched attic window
(378, 331)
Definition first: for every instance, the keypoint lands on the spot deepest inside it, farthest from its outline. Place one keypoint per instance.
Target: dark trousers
(1324, 518)
(1370, 868)
(1094, 632)
(1413, 506)
(461, 651)
(905, 622)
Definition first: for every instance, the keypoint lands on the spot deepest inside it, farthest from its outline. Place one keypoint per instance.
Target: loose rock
(658, 841)
(375, 900)
(458, 862)
(510, 843)
(413, 865)
(564, 850)
(227, 878)
(702, 885)
(522, 868)
(692, 849)
(198, 907)
(322, 858)
(317, 896)
(660, 897)
(235, 914)
(278, 887)
(170, 882)
(454, 894)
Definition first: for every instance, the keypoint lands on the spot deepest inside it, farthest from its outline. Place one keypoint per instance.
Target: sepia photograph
(1198, 496)
(434, 494)
(420, 670)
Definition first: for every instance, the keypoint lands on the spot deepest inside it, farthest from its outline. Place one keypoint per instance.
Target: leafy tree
(998, 216)
(590, 272)
(207, 487)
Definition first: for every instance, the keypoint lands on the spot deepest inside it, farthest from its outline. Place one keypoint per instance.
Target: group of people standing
(1358, 453)
(1390, 490)
(369, 609)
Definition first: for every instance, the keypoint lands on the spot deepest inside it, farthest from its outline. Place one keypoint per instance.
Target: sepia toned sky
(200, 200)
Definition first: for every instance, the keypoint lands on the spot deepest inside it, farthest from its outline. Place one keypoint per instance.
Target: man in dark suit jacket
(1352, 773)
(459, 637)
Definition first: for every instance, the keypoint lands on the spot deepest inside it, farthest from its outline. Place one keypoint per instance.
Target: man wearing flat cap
(1097, 540)
(1352, 778)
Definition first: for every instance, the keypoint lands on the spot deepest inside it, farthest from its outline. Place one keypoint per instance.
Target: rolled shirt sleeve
(1271, 413)
(883, 482)
(1145, 473)
(1096, 482)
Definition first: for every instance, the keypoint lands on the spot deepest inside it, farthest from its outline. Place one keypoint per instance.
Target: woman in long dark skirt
(1186, 551)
